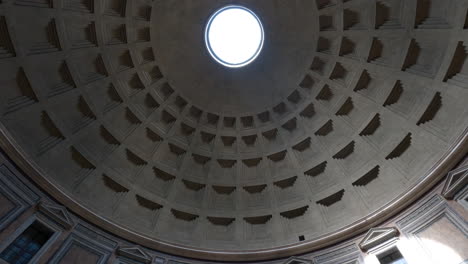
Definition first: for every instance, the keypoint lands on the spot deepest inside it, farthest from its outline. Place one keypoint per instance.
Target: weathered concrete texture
(119, 111)
(290, 38)
(431, 230)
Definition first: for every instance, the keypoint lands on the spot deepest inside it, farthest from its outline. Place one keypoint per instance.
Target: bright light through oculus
(234, 36)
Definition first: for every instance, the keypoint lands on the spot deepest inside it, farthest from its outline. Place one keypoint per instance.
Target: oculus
(234, 36)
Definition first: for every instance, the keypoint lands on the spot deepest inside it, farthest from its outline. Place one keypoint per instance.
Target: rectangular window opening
(392, 256)
(26, 245)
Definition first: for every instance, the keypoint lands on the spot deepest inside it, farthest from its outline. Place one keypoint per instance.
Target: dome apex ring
(234, 36)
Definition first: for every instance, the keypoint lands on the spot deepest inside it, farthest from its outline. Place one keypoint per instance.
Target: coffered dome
(118, 110)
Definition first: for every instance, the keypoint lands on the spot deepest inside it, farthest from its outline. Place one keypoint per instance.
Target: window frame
(388, 251)
(35, 217)
(462, 197)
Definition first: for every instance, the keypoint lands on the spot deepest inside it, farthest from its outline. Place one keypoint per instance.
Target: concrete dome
(118, 111)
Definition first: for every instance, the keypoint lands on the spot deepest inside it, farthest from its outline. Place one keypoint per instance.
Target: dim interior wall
(328, 125)
(433, 230)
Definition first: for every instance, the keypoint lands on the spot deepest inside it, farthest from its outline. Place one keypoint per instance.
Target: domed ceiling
(117, 109)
